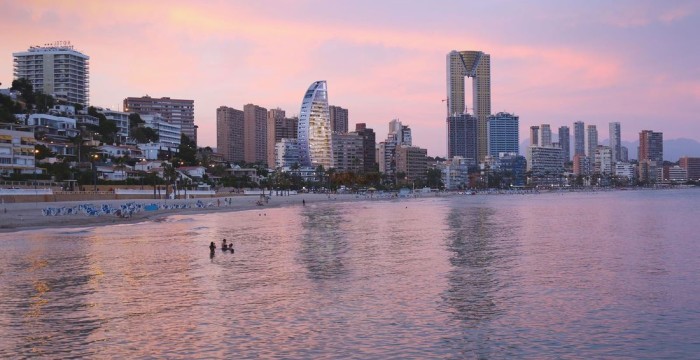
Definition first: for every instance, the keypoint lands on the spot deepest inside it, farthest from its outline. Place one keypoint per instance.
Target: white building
(51, 127)
(603, 160)
(16, 151)
(455, 172)
(286, 153)
(55, 69)
(625, 170)
(119, 118)
(169, 135)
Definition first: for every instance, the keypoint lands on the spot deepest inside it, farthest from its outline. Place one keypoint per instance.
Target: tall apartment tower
(565, 142)
(546, 137)
(592, 135)
(278, 127)
(174, 111)
(339, 119)
(579, 142)
(369, 147)
(476, 65)
(229, 134)
(314, 134)
(651, 146)
(615, 140)
(534, 136)
(255, 133)
(503, 134)
(56, 69)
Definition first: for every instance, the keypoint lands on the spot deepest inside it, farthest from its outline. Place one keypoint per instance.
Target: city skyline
(586, 62)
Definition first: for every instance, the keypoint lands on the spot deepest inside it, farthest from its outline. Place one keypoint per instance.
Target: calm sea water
(580, 275)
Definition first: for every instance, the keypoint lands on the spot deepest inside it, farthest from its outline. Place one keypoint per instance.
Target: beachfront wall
(49, 195)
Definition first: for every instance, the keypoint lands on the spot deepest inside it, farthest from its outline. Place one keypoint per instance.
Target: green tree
(106, 128)
(25, 89)
(187, 151)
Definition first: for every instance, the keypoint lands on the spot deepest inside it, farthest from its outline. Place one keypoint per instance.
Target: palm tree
(170, 175)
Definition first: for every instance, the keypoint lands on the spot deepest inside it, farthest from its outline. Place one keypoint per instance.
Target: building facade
(565, 142)
(339, 119)
(476, 65)
(254, 134)
(178, 112)
(603, 160)
(651, 146)
(463, 132)
(615, 141)
(56, 69)
(546, 135)
(412, 161)
(278, 127)
(545, 164)
(592, 140)
(691, 166)
(348, 154)
(229, 134)
(579, 138)
(286, 153)
(369, 147)
(17, 154)
(534, 135)
(169, 134)
(504, 136)
(314, 131)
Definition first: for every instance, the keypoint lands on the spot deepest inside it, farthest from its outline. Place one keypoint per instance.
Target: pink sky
(636, 62)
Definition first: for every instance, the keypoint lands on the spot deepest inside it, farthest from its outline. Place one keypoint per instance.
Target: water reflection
(481, 249)
(323, 243)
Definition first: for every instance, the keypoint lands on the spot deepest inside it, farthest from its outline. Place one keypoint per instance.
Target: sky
(552, 62)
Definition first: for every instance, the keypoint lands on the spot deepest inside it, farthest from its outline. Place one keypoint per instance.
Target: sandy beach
(24, 216)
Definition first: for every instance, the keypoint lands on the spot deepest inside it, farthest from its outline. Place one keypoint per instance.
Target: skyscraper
(615, 140)
(369, 143)
(315, 127)
(579, 142)
(55, 69)
(534, 135)
(476, 65)
(339, 119)
(255, 133)
(565, 142)
(229, 133)
(503, 134)
(546, 132)
(592, 134)
(651, 146)
(462, 136)
(175, 111)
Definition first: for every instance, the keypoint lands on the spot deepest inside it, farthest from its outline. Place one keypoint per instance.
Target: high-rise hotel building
(175, 111)
(476, 65)
(314, 130)
(503, 134)
(230, 134)
(56, 69)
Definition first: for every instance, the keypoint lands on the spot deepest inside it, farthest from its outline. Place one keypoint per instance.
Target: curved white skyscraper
(315, 128)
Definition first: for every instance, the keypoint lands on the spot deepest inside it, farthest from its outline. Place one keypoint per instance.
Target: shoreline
(15, 217)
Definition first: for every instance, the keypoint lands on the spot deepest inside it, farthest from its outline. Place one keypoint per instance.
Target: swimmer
(212, 247)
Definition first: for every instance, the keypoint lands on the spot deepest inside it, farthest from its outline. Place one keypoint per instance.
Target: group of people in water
(224, 247)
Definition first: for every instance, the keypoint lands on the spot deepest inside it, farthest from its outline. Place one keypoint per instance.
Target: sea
(595, 275)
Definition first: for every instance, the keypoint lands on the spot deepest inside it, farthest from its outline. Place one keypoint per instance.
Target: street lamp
(94, 171)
